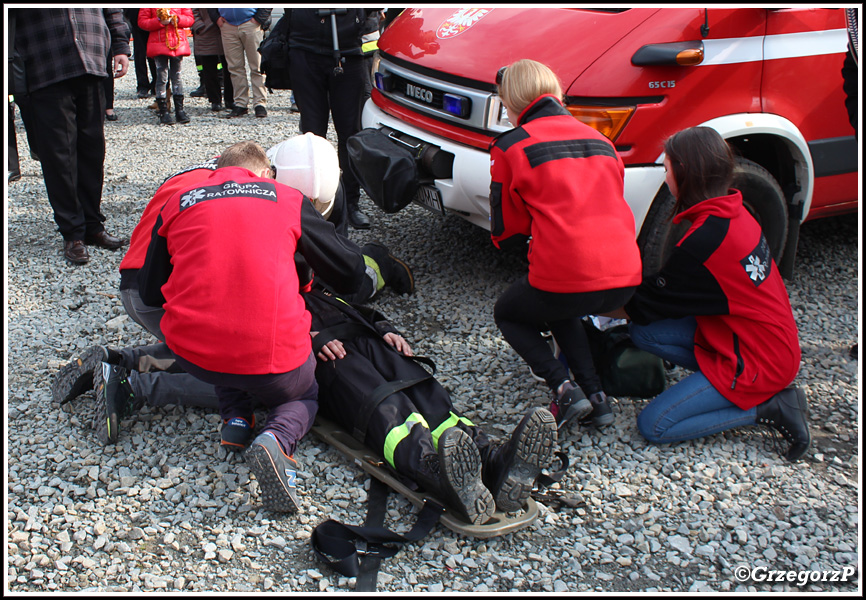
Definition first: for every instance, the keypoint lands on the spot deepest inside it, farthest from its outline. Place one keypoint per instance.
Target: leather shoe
(357, 219)
(104, 240)
(75, 252)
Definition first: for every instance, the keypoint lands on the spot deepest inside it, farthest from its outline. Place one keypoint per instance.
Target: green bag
(625, 369)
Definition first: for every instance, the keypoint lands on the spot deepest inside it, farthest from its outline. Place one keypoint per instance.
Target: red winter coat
(561, 182)
(162, 39)
(723, 274)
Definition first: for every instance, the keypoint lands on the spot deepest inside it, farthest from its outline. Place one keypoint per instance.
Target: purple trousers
(290, 398)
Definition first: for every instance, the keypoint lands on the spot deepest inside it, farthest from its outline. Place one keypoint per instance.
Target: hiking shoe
(275, 472)
(114, 401)
(460, 477)
(510, 470)
(237, 432)
(76, 377)
(261, 112)
(568, 404)
(394, 272)
(602, 413)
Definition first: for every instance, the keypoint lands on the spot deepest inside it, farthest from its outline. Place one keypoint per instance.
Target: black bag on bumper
(386, 171)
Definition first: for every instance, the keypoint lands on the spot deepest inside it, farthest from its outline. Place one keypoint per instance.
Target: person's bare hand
(399, 344)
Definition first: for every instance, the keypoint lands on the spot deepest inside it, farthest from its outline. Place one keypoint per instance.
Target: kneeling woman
(719, 307)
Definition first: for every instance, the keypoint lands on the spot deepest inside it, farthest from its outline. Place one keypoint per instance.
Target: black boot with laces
(786, 413)
(454, 477)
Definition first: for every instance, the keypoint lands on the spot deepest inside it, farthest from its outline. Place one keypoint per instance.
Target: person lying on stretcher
(371, 384)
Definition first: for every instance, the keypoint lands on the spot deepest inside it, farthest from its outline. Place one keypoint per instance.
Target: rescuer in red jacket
(221, 262)
(719, 307)
(559, 182)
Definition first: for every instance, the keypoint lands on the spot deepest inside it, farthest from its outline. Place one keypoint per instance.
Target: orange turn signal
(607, 120)
(692, 56)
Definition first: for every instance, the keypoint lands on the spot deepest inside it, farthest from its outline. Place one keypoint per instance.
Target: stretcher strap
(377, 503)
(340, 546)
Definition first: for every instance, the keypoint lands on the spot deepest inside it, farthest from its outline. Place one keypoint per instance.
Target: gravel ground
(167, 510)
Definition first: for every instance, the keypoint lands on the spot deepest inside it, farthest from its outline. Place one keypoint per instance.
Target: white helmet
(309, 164)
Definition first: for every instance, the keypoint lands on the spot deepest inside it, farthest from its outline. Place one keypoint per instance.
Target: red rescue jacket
(222, 259)
(723, 274)
(561, 182)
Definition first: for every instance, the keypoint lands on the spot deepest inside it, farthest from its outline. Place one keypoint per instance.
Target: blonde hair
(524, 81)
(248, 155)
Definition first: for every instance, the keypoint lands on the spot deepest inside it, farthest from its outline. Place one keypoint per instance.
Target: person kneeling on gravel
(370, 383)
(221, 264)
(125, 380)
(719, 307)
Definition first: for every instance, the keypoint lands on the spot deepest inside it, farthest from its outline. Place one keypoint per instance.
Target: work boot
(165, 117)
(357, 219)
(569, 403)
(198, 92)
(454, 476)
(786, 413)
(394, 273)
(511, 468)
(602, 413)
(178, 109)
(114, 401)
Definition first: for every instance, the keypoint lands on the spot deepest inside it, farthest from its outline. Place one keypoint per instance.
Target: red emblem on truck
(460, 21)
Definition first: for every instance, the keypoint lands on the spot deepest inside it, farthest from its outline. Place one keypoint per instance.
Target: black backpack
(275, 55)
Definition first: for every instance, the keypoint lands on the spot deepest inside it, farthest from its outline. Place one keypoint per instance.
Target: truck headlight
(607, 120)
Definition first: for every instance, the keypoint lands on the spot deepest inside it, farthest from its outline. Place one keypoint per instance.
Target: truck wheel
(762, 197)
(765, 200)
(658, 235)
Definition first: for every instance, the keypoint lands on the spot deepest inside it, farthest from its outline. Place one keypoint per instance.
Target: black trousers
(406, 425)
(319, 93)
(143, 81)
(69, 118)
(522, 312)
(210, 70)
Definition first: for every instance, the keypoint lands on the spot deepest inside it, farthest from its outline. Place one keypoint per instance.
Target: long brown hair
(703, 165)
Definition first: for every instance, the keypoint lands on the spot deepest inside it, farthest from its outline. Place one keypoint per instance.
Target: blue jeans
(692, 408)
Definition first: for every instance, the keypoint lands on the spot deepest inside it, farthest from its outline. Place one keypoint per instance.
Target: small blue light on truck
(456, 105)
(383, 82)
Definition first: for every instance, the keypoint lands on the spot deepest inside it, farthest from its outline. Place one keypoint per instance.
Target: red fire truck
(768, 79)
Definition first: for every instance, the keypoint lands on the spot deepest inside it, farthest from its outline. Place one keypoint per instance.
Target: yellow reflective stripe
(399, 433)
(451, 421)
(370, 47)
(380, 281)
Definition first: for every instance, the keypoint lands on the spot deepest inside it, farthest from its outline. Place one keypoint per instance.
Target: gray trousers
(156, 378)
(154, 374)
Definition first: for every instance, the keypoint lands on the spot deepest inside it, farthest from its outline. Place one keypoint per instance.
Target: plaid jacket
(61, 43)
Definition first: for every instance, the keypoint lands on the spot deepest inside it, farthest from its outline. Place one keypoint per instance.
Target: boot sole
(406, 268)
(75, 378)
(461, 469)
(275, 495)
(535, 445)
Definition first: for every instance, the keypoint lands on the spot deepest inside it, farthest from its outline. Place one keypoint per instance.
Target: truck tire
(765, 200)
(658, 235)
(762, 197)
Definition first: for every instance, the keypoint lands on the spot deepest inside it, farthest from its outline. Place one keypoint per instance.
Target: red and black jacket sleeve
(684, 286)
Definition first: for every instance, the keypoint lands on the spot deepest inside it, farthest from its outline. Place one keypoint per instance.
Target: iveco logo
(413, 91)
